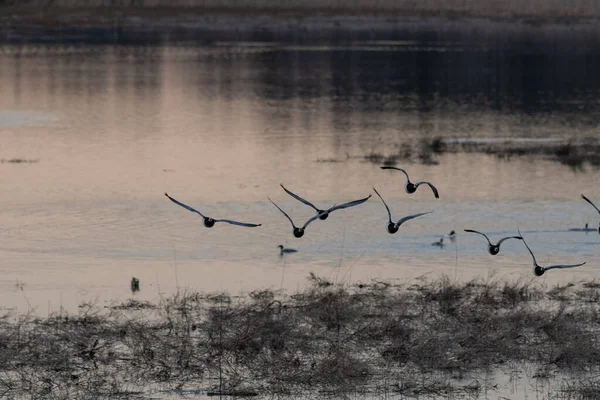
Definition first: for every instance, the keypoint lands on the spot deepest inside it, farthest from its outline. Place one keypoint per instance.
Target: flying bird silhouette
(392, 226)
(493, 249)
(298, 232)
(208, 221)
(539, 270)
(323, 214)
(593, 205)
(412, 187)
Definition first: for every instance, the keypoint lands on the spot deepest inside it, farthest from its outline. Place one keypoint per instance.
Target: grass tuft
(420, 339)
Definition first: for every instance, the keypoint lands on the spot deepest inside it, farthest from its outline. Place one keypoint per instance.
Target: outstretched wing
(564, 266)
(314, 217)
(409, 217)
(184, 206)
(509, 237)
(530, 252)
(399, 169)
(589, 201)
(349, 204)
(237, 223)
(284, 213)
(386, 206)
(482, 234)
(300, 199)
(433, 189)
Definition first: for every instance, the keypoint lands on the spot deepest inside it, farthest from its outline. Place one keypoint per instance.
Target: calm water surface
(108, 130)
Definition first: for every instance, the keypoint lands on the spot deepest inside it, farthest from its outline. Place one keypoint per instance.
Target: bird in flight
(412, 187)
(298, 232)
(538, 270)
(493, 249)
(323, 214)
(392, 226)
(208, 221)
(593, 205)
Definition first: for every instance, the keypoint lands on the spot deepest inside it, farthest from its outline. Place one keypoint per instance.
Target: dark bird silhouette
(412, 187)
(208, 221)
(323, 214)
(593, 205)
(493, 249)
(285, 250)
(392, 226)
(298, 232)
(539, 270)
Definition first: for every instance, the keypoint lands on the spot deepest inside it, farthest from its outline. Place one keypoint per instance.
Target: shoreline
(210, 25)
(371, 338)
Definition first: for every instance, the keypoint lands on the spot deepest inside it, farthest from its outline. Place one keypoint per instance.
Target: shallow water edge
(434, 338)
(202, 26)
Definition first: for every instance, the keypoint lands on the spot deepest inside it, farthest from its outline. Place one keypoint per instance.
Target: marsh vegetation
(427, 337)
(575, 153)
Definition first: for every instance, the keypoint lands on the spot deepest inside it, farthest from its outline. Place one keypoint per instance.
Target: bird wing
(482, 234)
(284, 213)
(409, 217)
(386, 206)
(508, 237)
(185, 206)
(314, 217)
(399, 169)
(433, 189)
(564, 266)
(530, 252)
(349, 204)
(238, 223)
(300, 199)
(589, 201)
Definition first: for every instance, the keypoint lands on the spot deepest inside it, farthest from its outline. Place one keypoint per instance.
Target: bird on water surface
(493, 249)
(208, 221)
(538, 270)
(323, 214)
(392, 227)
(285, 250)
(412, 187)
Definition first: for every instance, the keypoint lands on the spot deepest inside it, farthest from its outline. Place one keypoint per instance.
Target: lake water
(104, 131)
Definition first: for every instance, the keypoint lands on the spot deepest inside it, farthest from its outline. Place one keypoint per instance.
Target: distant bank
(540, 22)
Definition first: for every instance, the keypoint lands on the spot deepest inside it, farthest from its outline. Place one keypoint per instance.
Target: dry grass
(412, 339)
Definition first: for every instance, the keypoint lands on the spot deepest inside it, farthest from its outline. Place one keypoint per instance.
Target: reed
(414, 339)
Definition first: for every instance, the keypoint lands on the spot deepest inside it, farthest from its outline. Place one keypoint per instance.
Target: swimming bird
(439, 243)
(283, 250)
(493, 249)
(392, 226)
(538, 270)
(208, 221)
(323, 214)
(298, 232)
(412, 187)
(452, 235)
(593, 205)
